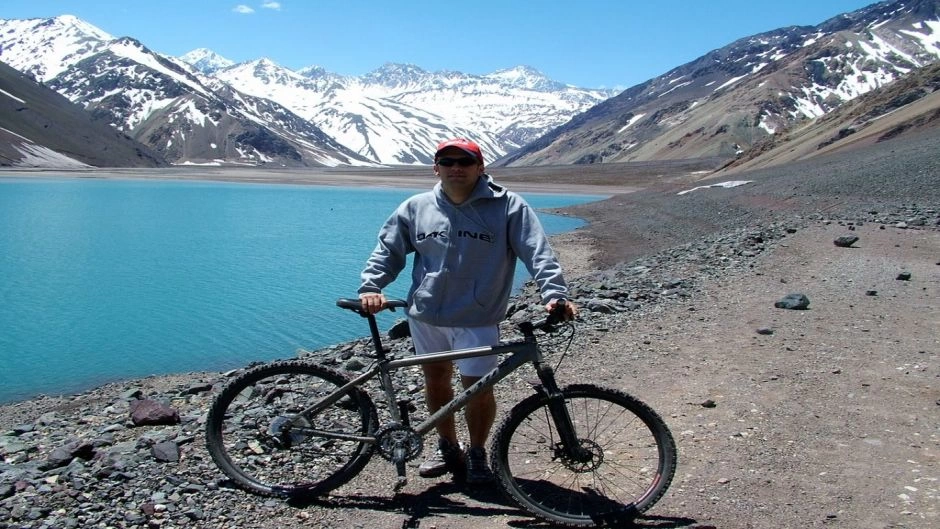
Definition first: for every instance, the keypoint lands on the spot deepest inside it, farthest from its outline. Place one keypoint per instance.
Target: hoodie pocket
(441, 293)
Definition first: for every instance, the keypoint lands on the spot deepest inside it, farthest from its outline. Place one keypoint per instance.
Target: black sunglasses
(462, 162)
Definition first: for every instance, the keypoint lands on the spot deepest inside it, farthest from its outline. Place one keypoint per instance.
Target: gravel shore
(825, 417)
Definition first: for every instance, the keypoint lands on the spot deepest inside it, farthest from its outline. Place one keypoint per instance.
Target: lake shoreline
(318, 204)
(553, 181)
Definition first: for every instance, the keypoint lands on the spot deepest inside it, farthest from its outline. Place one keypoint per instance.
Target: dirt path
(830, 421)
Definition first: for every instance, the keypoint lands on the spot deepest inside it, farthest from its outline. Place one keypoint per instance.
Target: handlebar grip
(355, 305)
(557, 314)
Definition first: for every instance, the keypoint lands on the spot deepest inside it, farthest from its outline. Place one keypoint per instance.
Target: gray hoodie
(465, 255)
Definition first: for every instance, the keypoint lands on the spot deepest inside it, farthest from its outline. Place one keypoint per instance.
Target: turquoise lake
(103, 280)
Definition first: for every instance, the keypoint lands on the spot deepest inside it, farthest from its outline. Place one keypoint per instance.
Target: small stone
(845, 241)
(354, 364)
(709, 404)
(871, 292)
(765, 331)
(793, 302)
(904, 276)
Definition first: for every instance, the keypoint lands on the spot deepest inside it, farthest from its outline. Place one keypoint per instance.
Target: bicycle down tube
(520, 354)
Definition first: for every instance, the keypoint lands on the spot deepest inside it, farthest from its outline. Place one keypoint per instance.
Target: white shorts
(432, 339)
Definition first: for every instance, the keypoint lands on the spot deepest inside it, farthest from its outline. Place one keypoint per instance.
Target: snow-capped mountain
(762, 86)
(41, 128)
(731, 100)
(206, 61)
(202, 108)
(397, 113)
(162, 101)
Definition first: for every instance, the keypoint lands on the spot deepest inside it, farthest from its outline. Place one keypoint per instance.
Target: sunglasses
(462, 162)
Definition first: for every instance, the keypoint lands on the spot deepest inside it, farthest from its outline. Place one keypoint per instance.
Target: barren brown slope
(907, 106)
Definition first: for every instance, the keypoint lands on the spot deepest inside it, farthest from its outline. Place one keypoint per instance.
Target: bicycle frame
(520, 352)
(578, 455)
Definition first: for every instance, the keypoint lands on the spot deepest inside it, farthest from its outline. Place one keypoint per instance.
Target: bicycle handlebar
(356, 305)
(556, 316)
(547, 324)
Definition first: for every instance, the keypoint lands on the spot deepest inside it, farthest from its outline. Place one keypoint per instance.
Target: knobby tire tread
(658, 430)
(246, 481)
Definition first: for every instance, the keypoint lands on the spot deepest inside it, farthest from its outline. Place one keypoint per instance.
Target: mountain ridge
(725, 104)
(378, 118)
(732, 98)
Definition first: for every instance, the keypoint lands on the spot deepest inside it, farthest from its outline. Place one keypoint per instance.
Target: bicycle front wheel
(626, 460)
(260, 437)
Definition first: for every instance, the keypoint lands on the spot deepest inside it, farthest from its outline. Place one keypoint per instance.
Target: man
(467, 233)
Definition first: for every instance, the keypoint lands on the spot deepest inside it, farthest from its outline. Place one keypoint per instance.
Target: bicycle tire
(248, 437)
(633, 458)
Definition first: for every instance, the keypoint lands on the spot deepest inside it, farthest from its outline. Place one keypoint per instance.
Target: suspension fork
(570, 445)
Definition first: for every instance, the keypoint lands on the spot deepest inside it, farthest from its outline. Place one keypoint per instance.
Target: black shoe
(478, 471)
(448, 458)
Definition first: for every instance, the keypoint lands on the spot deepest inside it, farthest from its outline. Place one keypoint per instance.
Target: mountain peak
(525, 77)
(72, 23)
(206, 60)
(396, 74)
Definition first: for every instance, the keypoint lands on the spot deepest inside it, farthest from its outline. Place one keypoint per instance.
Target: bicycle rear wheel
(629, 458)
(257, 438)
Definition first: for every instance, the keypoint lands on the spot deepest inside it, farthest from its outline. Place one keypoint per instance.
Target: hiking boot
(478, 471)
(448, 458)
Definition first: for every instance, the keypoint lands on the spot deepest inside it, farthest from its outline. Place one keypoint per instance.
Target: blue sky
(587, 43)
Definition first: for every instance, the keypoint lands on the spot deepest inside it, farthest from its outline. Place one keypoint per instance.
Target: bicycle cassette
(396, 442)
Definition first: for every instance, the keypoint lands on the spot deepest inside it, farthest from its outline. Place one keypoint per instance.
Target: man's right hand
(372, 302)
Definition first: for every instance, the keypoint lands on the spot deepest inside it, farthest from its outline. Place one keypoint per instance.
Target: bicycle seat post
(376, 336)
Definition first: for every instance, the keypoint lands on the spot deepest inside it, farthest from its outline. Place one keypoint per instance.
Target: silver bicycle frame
(520, 353)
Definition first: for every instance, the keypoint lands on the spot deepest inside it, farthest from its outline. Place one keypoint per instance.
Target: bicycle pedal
(400, 483)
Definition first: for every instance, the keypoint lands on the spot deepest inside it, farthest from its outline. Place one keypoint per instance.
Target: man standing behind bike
(467, 233)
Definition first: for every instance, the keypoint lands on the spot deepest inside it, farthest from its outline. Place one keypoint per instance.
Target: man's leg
(480, 413)
(438, 391)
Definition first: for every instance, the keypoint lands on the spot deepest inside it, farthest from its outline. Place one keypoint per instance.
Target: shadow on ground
(440, 501)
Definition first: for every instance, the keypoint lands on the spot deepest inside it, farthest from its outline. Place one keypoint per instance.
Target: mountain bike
(579, 456)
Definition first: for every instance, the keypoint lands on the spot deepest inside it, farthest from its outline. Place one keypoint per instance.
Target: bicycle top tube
(527, 349)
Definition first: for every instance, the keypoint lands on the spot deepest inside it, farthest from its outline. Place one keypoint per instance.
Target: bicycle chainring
(396, 442)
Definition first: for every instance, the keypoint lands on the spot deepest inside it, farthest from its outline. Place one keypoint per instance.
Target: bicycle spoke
(625, 473)
(257, 434)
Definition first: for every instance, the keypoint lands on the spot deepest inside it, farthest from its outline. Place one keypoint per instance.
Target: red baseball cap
(463, 144)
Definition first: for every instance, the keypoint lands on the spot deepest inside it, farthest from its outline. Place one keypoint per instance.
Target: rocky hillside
(738, 96)
(910, 105)
(41, 128)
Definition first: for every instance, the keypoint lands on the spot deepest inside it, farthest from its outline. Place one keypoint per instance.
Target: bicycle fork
(571, 447)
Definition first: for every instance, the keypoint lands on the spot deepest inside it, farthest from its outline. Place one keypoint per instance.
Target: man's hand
(571, 310)
(372, 302)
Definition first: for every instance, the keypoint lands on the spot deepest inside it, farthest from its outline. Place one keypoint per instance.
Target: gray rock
(166, 452)
(793, 302)
(845, 241)
(151, 412)
(399, 330)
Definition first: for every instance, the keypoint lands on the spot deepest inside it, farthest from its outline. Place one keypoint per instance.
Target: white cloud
(272, 5)
(243, 9)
